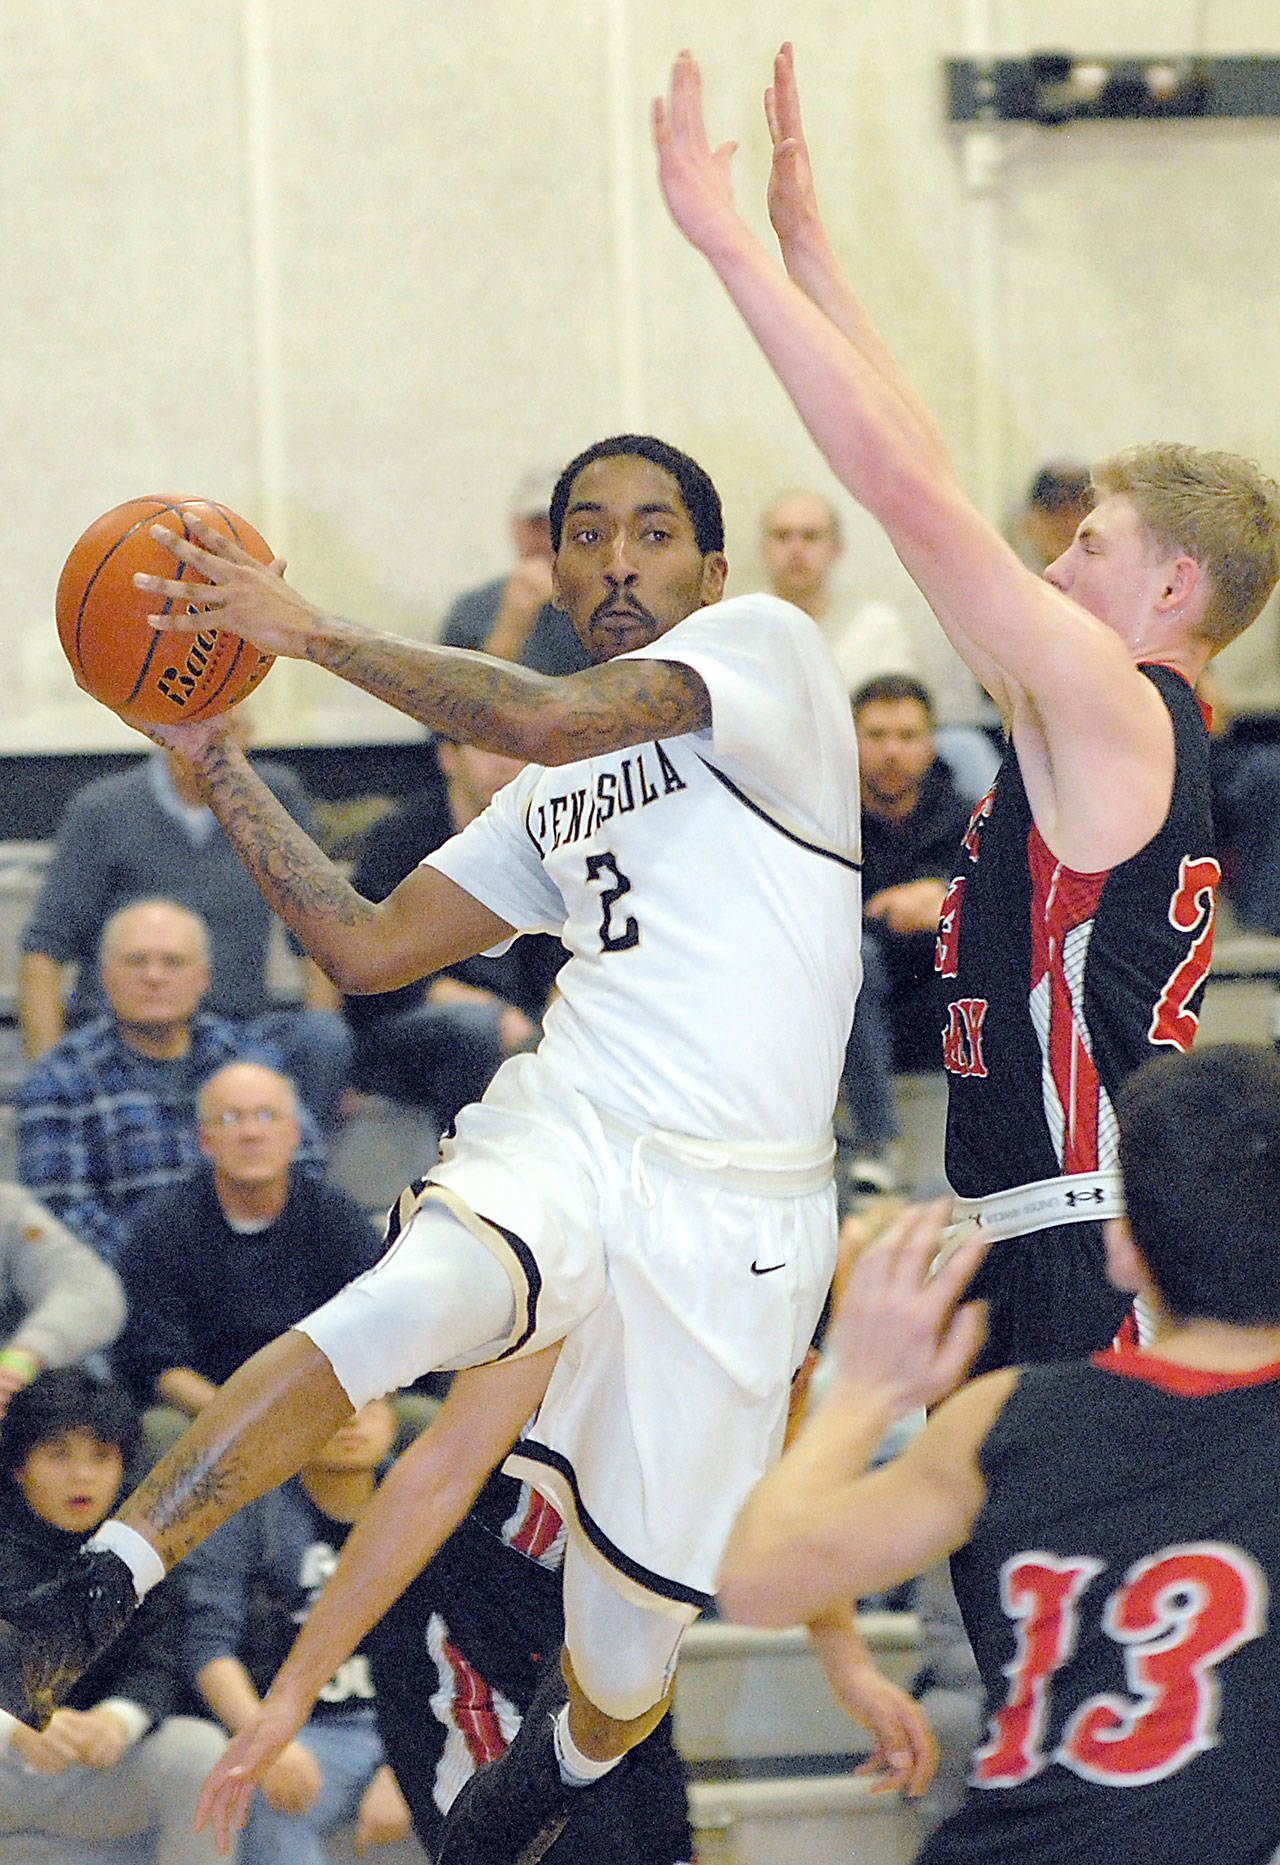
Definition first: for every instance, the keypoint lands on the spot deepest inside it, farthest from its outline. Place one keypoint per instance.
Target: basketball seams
(102, 623)
(100, 566)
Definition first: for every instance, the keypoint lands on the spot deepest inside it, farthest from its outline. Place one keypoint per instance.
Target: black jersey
(1120, 1609)
(1055, 986)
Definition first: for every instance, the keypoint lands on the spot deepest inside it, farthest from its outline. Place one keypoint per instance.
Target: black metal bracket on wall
(1053, 88)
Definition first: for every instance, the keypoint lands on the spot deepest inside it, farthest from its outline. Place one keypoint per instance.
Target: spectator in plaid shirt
(107, 1116)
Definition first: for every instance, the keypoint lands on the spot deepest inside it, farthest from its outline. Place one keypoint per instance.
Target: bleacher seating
(772, 1755)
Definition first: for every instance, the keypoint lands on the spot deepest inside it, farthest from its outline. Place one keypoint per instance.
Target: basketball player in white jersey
(652, 1188)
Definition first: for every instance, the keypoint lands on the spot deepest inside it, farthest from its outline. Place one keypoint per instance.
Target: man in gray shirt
(144, 834)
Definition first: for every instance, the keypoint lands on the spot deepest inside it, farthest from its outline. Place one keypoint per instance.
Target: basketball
(151, 677)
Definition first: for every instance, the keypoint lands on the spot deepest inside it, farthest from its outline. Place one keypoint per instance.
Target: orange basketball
(151, 677)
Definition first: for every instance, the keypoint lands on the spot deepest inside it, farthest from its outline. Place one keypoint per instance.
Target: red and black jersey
(1056, 984)
(1121, 1617)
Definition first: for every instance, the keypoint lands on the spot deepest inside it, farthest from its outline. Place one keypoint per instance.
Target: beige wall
(352, 268)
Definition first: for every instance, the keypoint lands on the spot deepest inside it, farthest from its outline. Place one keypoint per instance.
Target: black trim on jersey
(395, 1216)
(533, 1279)
(534, 1452)
(518, 1247)
(758, 809)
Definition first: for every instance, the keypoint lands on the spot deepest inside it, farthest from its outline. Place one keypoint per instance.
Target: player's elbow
(362, 963)
(349, 969)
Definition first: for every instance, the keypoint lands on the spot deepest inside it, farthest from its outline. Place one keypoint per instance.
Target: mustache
(619, 603)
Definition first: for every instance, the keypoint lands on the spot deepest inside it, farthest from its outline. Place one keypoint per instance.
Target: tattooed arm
(471, 697)
(428, 922)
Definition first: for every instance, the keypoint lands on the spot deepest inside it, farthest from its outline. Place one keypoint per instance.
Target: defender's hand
(793, 202)
(901, 1330)
(247, 1759)
(694, 178)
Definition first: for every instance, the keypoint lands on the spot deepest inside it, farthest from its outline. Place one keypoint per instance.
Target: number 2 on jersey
(614, 936)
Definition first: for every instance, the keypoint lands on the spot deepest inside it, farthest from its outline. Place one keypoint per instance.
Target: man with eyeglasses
(219, 1264)
(107, 1117)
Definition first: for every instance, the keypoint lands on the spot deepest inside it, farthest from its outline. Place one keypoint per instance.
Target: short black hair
(1200, 1157)
(701, 500)
(62, 1399)
(888, 689)
(1060, 486)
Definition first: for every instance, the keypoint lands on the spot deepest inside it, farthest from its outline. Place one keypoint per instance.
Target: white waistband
(1075, 1198)
(770, 1169)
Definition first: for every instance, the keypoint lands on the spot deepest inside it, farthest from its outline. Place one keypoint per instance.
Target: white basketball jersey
(706, 888)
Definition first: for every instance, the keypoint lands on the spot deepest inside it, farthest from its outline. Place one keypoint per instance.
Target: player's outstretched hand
(694, 177)
(224, 1800)
(901, 1329)
(793, 202)
(905, 1755)
(238, 593)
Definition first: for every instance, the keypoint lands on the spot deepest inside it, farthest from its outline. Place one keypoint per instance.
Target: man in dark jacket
(221, 1262)
(912, 821)
(437, 1042)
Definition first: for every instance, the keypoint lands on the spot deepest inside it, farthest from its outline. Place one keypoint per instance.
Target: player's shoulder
(754, 630)
(959, 1427)
(753, 609)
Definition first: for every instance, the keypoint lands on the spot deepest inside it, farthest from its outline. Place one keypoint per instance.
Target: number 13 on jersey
(1176, 1616)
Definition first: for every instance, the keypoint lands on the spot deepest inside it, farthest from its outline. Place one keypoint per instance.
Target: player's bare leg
(266, 1421)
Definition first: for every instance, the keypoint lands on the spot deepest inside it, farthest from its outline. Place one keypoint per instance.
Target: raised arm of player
(807, 252)
(417, 1506)
(819, 1529)
(1093, 735)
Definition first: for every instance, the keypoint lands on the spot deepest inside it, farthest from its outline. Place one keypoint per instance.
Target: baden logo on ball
(152, 676)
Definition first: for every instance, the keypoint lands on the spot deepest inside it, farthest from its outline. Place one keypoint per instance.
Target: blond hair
(1219, 508)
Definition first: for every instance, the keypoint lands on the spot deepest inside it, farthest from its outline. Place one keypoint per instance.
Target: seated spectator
(248, 1588)
(145, 833)
(224, 1260)
(436, 1043)
(513, 616)
(913, 816)
(58, 1301)
(107, 1116)
(116, 1761)
(912, 822)
(801, 546)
